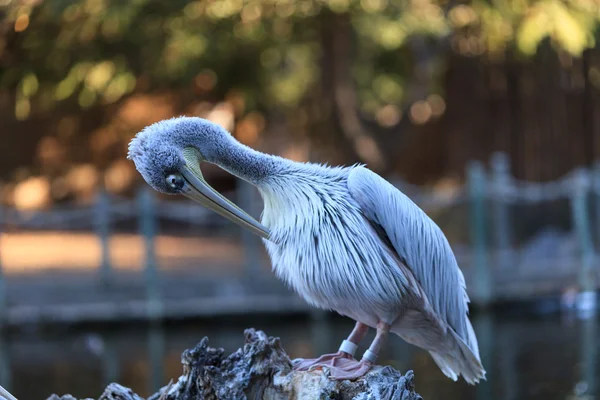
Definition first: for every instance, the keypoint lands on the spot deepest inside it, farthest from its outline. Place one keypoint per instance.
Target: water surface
(526, 357)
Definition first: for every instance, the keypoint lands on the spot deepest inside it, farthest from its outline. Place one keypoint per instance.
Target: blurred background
(485, 112)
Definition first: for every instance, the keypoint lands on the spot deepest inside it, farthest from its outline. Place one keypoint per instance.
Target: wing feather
(419, 242)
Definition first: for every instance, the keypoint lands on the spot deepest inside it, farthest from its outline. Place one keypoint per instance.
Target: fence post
(477, 191)
(246, 197)
(3, 295)
(110, 359)
(586, 301)
(596, 192)
(588, 356)
(5, 371)
(484, 328)
(147, 224)
(500, 164)
(102, 223)
(156, 356)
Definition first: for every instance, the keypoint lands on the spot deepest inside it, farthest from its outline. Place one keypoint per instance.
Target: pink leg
(373, 352)
(346, 351)
(351, 369)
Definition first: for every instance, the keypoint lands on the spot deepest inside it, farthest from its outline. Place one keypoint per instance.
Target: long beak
(5, 394)
(199, 190)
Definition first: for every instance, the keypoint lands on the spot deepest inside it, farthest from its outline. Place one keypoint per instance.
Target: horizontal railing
(487, 196)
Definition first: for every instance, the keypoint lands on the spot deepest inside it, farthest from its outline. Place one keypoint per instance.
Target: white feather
(323, 247)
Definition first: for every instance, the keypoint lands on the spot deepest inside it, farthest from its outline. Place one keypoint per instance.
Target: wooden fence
(489, 259)
(501, 191)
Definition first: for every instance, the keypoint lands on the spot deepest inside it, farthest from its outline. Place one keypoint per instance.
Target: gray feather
(325, 249)
(419, 242)
(342, 237)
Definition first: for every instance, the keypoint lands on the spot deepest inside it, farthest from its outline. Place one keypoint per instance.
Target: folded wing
(419, 243)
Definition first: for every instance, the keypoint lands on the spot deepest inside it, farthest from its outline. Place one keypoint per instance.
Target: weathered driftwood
(262, 370)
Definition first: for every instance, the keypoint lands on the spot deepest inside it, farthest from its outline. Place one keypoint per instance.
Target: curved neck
(249, 164)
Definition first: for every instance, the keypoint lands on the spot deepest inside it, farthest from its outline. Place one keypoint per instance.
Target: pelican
(342, 237)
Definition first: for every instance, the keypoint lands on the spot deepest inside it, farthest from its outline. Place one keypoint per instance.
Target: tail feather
(463, 359)
(455, 355)
(444, 365)
(472, 339)
(452, 366)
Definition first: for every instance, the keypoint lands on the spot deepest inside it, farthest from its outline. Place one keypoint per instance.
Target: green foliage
(98, 51)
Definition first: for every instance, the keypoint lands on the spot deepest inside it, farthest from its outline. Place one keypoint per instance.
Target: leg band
(348, 347)
(370, 356)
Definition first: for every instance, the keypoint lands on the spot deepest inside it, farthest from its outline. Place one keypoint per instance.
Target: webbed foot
(338, 366)
(326, 360)
(350, 370)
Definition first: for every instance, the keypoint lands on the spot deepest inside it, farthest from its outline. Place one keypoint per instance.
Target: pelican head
(168, 155)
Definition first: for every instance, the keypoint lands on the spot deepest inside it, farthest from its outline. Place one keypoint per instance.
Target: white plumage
(324, 224)
(345, 240)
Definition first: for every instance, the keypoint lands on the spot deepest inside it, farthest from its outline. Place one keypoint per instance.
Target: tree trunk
(262, 370)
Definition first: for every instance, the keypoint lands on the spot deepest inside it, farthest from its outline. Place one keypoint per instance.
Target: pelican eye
(175, 181)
